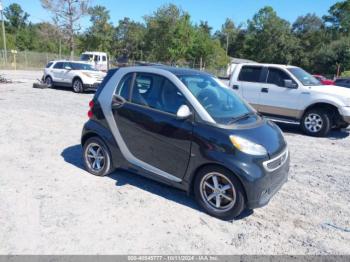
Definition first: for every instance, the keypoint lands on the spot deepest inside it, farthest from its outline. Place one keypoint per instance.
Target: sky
(213, 11)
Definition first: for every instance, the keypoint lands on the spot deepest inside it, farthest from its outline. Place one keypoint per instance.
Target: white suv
(78, 75)
(288, 93)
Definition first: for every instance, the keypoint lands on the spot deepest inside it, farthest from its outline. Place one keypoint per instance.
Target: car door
(275, 98)
(67, 73)
(148, 124)
(57, 71)
(249, 79)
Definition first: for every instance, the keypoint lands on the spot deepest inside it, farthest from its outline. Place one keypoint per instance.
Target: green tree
(311, 33)
(339, 16)
(330, 56)
(269, 38)
(227, 37)
(100, 35)
(16, 18)
(131, 39)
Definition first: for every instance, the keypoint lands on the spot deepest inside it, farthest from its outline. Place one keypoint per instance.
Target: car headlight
(247, 146)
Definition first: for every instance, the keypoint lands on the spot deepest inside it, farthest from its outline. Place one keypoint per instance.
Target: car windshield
(304, 77)
(222, 104)
(81, 66)
(86, 57)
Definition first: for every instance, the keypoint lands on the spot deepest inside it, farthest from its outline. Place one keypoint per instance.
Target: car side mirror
(290, 84)
(183, 112)
(67, 68)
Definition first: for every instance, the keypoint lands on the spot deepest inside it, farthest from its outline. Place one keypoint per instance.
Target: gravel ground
(50, 205)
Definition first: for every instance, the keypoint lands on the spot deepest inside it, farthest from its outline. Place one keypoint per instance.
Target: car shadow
(72, 155)
(295, 129)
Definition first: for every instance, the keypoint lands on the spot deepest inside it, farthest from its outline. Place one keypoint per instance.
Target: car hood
(265, 133)
(332, 89)
(94, 73)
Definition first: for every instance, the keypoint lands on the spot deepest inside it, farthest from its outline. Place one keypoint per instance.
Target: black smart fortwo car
(184, 128)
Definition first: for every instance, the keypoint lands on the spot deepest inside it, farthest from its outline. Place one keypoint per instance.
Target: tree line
(318, 44)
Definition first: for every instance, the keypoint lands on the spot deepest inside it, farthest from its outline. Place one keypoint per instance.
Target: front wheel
(78, 86)
(97, 158)
(316, 122)
(48, 81)
(219, 193)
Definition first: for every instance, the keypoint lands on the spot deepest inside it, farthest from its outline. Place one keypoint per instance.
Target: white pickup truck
(288, 93)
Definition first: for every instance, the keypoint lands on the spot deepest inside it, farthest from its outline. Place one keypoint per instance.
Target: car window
(67, 65)
(104, 58)
(221, 103)
(58, 65)
(157, 92)
(250, 74)
(49, 65)
(123, 88)
(277, 77)
(82, 66)
(96, 58)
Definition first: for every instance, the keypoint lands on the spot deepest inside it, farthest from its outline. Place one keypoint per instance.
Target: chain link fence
(27, 60)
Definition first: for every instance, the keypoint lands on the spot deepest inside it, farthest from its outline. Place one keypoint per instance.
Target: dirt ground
(50, 205)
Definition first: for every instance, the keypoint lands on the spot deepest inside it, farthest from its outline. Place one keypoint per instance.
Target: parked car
(324, 80)
(344, 82)
(184, 128)
(99, 60)
(78, 75)
(288, 93)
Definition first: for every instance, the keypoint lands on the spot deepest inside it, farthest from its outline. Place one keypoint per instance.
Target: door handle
(118, 101)
(235, 87)
(264, 90)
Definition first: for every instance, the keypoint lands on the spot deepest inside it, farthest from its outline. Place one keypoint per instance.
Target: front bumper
(93, 86)
(263, 179)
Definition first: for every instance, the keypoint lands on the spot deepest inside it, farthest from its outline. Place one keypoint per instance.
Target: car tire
(48, 81)
(78, 86)
(316, 122)
(97, 157)
(204, 187)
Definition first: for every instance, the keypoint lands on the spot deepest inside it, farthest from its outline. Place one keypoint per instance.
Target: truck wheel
(316, 122)
(219, 193)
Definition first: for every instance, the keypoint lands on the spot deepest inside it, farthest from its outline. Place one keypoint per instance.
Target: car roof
(179, 71)
(94, 53)
(68, 61)
(267, 65)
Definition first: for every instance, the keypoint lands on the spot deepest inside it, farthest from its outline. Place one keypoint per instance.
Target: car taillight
(91, 105)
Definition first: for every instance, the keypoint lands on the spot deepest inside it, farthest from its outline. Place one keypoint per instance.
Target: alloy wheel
(218, 192)
(95, 157)
(313, 123)
(77, 86)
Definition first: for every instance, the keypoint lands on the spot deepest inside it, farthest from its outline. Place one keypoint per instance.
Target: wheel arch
(77, 78)
(333, 109)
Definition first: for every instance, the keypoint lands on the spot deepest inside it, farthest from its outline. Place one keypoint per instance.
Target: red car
(324, 80)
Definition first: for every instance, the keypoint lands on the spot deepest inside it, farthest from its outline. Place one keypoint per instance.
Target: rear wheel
(78, 86)
(219, 193)
(97, 158)
(316, 122)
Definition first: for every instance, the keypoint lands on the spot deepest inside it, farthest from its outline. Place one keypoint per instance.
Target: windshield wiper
(239, 118)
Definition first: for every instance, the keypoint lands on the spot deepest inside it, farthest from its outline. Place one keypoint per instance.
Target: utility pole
(3, 31)
(227, 43)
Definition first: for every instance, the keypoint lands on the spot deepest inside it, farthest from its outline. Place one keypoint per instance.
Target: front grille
(277, 162)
